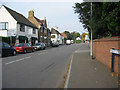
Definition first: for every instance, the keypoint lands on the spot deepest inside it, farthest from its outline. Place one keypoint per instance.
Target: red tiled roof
(63, 34)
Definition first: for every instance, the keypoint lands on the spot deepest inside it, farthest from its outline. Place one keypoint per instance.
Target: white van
(68, 42)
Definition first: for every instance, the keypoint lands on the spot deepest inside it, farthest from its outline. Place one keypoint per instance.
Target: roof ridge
(19, 17)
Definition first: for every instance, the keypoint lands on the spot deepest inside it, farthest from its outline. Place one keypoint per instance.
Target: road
(40, 69)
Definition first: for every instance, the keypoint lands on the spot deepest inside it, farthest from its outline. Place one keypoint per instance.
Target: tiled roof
(37, 19)
(19, 17)
(53, 31)
(63, 34)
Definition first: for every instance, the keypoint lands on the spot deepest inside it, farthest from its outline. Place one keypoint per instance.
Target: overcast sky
(60, 14)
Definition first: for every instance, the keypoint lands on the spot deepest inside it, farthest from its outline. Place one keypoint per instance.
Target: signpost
(113, 51)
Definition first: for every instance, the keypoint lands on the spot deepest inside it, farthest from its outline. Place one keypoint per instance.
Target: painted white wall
(60, 40)
(28, 31)
(54, 39)
(6, 17)
(13, 27)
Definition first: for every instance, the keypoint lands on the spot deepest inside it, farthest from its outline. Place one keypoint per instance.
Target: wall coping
(117, 38)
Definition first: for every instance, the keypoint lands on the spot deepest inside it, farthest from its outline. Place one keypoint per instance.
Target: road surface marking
(68, 76)
(42, 53)
(17, 60)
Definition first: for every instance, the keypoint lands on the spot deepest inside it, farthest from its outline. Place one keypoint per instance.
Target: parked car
(56, 44)
(24, 47)
(43, 45)
(37, 46)
(6, 49)
(71, 41)
(68, 42)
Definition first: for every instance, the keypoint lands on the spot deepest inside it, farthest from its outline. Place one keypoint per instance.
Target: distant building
(78, 38)
(63, 38)
(87, 39)
(55, 35)
(15, 24)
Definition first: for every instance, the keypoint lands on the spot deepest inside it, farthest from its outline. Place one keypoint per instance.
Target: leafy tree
(83, 36)
(67, 33)
(105, 19)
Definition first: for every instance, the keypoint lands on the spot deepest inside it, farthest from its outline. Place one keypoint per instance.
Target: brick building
(43, 31)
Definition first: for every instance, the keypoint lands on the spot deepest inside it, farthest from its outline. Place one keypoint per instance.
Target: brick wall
(101, 51)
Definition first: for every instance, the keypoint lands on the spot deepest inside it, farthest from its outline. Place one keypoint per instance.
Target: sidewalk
(88, 73)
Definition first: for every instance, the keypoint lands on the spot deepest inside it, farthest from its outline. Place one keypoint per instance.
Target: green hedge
(78, 41)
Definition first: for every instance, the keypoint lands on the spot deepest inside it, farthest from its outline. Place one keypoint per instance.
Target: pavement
(89, 73)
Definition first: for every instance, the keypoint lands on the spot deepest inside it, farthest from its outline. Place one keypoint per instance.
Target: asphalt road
(40, 69)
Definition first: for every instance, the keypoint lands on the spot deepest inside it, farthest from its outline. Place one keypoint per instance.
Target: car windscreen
(18, 45)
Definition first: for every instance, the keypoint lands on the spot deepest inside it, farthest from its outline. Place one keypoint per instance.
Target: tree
(83, 36)
(105, 20)
(69, 36)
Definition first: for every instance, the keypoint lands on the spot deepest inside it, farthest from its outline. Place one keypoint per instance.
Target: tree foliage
(105, 19)
(72, 35)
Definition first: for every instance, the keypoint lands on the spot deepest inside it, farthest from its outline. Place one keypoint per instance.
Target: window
(22, 27)
(44, 30)
(53, 36)
(3, 25)
(41, 29)
(34, 31)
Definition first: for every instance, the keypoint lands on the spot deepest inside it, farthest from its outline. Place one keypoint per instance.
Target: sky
(58, 13)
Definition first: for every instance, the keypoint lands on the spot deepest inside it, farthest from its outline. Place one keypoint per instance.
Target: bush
(78, 41)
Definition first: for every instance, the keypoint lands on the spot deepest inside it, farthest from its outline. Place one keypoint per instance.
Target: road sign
(115, 51)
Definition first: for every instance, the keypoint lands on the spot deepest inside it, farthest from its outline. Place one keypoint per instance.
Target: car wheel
(24, 51)
(33, 50)
(14, 53)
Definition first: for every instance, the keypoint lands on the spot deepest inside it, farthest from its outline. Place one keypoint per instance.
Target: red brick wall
(101, 51)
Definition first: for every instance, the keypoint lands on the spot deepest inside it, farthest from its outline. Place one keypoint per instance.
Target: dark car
(24, 47)
(6, 49)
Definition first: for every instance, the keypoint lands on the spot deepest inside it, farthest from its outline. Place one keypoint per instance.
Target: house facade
(14, 24)
(43, 31)
(55, 35)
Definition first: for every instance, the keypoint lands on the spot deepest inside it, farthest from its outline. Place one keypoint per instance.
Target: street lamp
(91, 46)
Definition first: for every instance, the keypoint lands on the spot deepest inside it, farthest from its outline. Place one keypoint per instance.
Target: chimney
(31, 13)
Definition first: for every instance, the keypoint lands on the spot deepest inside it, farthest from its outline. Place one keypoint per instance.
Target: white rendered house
(55, 35)
(15, 24)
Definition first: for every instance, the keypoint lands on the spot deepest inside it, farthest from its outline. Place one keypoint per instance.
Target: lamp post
(91, 46)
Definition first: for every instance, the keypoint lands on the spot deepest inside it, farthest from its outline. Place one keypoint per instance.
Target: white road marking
(68, 76)
(42, 53)
(17, 60)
